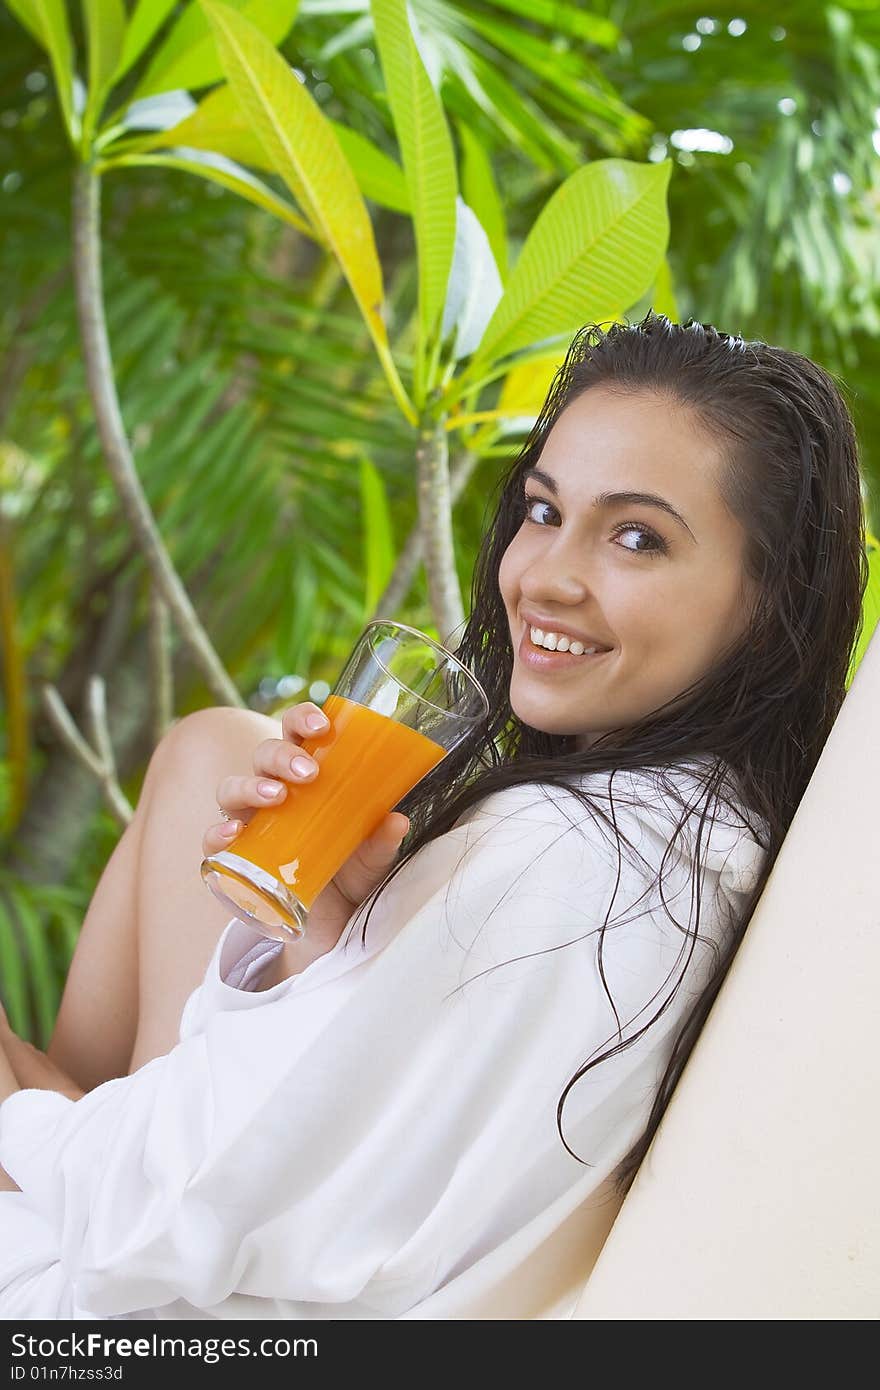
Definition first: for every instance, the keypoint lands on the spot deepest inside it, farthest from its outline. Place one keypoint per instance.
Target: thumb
(388, 834)
(397, 824)
(385, 840)
(372, 860)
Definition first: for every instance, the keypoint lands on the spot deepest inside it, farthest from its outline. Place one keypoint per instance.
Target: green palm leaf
(39, 957)
(378, 534)
(13, 975)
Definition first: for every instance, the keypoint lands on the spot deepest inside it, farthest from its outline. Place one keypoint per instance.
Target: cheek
(647, 616)
(508, 575)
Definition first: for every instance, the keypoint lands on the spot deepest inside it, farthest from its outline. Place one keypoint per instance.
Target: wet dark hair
(764, 710)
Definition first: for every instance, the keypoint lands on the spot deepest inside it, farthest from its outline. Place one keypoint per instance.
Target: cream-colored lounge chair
(760, 1196)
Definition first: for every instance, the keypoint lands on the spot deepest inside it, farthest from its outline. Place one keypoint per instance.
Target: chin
(534, 721)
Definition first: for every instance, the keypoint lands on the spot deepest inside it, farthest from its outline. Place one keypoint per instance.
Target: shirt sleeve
(359, 1141)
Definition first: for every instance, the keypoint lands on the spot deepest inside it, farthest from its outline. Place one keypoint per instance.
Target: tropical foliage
(282, 281)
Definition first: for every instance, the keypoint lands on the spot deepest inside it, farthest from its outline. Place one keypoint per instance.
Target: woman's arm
(30, 1067)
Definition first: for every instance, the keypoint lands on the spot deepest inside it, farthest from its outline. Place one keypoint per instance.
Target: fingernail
(230, 828)
(317, 721)
(302, 767)
(268, 788)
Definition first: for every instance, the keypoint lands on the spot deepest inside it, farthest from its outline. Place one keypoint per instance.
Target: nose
(553, 580)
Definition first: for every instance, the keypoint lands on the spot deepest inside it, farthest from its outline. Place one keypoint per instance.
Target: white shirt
(365, 1139)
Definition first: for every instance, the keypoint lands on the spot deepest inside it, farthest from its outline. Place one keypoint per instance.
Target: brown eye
(528, 502)
(656, 546)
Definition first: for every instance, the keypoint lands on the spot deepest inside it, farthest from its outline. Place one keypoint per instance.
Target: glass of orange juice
(401, 704)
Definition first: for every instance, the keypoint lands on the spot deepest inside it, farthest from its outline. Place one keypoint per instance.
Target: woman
(371, 1124)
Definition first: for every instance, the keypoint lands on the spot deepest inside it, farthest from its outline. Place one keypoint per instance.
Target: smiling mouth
(543, 659)
(583, 648)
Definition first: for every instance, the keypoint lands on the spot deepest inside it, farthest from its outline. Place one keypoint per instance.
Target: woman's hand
(31, 1067)
(241, 796)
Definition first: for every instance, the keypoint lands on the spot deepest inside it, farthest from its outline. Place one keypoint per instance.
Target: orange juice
(367, 763)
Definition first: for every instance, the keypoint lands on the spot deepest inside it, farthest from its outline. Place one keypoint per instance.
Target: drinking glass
(401, 704)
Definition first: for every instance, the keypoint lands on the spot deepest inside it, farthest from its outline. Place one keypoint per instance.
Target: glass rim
(438, 647)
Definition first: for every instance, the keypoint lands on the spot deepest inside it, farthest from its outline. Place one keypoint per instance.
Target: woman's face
(663, 596)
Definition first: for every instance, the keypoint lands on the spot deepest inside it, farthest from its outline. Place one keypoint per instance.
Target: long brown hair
(765, 709)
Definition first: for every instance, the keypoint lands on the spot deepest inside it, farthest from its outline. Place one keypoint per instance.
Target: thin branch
(400, 583)
(96, 711)
(99, 760)
(114, 442)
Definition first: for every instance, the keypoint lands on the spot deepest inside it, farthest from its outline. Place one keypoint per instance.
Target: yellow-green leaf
(595, 246)
(525, 387)
(145, 22)
(46, 21)
(480, 192)
(380, 178)
(870, 614)
(217, 168)
(188, 58)
(219, 123)
(426, 149)
(105, 26)
(305, 151)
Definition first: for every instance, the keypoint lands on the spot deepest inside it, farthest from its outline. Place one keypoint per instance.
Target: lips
(539, 659)
(548, 625)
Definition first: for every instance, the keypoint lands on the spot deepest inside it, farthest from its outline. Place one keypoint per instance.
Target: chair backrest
(759, 1195)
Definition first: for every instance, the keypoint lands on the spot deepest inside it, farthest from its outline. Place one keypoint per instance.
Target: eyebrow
(612, 499)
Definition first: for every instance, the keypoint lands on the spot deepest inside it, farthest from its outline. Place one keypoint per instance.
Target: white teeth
(551, 642)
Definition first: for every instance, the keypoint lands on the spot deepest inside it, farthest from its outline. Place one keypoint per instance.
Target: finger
(220, 836)
(275, 757)
(239, 795)
(296, 725)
